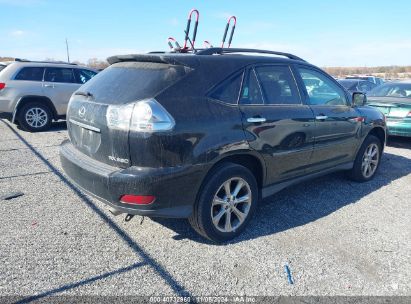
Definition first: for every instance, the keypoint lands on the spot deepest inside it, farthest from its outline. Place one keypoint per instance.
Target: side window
(278, 85)
(251, 93)
(82, 76)
(364, 86)
(59, 75)
(321, 89)
(30, 73)
(228, 90)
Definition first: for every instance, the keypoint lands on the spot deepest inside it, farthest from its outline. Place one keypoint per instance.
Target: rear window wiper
(86, 94)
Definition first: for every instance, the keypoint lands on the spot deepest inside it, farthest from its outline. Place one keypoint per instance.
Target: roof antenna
(67, 51)
(187, 31)
(226, 31)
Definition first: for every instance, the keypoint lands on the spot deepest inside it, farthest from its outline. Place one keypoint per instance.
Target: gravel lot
(336, 236)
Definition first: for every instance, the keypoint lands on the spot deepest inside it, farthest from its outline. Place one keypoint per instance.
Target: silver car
(33, 94)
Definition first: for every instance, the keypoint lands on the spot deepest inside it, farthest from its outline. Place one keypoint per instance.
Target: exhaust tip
(115, 211)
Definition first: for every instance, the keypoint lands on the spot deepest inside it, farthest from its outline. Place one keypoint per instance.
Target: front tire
(34, 117)
(367, 160)
(226, 203)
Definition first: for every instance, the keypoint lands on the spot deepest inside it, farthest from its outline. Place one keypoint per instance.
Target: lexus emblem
(82, 111)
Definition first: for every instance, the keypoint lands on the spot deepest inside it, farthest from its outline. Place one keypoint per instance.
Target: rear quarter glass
(126, 82)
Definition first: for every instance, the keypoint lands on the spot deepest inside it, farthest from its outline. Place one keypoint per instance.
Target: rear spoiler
(159, 57)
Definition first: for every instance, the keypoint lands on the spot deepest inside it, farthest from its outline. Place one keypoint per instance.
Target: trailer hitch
(129, 217)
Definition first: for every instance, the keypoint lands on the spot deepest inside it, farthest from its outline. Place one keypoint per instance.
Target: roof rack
(220, 51)
(35, 61)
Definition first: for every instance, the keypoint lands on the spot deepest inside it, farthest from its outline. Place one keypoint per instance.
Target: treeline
(385, 71)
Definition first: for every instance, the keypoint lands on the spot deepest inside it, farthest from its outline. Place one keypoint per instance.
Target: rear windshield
(401, 90)
(349, 84)
(130, 81)
(2, 67)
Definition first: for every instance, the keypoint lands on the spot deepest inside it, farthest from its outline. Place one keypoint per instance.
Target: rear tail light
(137, 199)
(143, 116)
(409, 114)
(2, 85)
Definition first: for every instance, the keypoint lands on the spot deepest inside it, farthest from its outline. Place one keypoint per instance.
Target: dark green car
(394, 101)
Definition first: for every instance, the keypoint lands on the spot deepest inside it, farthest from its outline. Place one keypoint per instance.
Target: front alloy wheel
(370, 160)
(367, 160)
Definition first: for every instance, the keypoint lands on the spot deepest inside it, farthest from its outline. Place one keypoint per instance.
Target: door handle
(49, 85)
(321, 117)
(256, 119)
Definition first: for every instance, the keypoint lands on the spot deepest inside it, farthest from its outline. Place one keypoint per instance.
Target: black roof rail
(220, 51)
(36, 61)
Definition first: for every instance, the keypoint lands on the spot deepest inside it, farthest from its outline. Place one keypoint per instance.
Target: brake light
(2, 85)
(137, 199)
(143, 116)
(409, 114)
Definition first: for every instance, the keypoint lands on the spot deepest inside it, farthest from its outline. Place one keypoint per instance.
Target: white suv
(36, 93)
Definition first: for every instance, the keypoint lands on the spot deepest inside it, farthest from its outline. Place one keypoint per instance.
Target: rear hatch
(393, 108)
(121, 84)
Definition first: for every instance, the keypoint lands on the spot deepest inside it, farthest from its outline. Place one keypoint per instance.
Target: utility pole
(67, 50)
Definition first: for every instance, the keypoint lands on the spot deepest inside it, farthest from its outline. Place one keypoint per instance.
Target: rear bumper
(399, 128)
(175, 188)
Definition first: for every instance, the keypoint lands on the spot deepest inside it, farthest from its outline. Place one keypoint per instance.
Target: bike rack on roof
(232, 31)
(221, 51)
(187, 31)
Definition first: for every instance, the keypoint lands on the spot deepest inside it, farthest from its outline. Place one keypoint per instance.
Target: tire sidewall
(207, 196)
(22, 117)
(371, 139)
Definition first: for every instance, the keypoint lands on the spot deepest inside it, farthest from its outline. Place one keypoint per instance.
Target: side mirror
(359, 99)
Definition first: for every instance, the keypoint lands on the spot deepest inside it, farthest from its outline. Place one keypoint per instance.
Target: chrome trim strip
(80, 124)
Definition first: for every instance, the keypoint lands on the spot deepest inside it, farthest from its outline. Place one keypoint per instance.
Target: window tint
(130, 81)
(278, 85)
(251, 93)
(59, 75)
(33, 74)
(82, 76)
(392, 90)
(321, 89)
(228, 91)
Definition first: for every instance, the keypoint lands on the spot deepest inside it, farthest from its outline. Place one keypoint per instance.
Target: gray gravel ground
(338, 237)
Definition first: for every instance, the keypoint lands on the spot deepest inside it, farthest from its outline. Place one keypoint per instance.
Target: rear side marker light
(137, 199)
(2, 85)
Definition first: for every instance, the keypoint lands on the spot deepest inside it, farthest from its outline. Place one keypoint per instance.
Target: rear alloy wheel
(34, 117)
(367, 160)
(226, 203)
(231, 205)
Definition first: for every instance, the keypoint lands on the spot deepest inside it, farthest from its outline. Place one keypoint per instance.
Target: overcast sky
(324, 32)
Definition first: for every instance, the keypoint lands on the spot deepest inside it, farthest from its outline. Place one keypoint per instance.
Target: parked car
(373, 79)
(204, 136)
(35, 93)
(357, 85)
(394, 100)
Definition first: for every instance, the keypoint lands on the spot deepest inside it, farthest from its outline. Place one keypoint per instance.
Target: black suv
(205, 135)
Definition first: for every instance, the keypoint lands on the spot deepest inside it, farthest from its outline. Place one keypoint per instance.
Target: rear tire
(35, 117)
(367, 160)
(219, 216)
